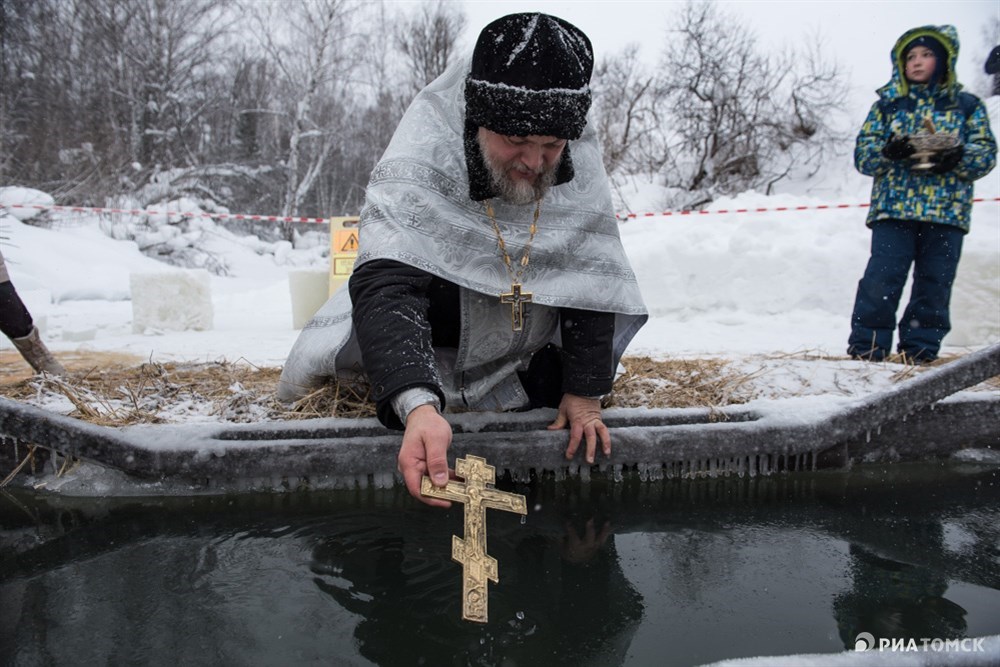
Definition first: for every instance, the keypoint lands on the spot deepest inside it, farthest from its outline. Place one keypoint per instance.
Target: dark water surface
(635, 573)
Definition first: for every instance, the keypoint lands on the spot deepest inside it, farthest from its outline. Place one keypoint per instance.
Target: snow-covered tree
(734, 116)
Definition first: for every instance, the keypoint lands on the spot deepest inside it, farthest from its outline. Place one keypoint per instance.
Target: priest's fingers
(590, 434)
(413, 470)
(605, 435)
(595, 430)
(575, 436)
(560, 423)
(424, 451)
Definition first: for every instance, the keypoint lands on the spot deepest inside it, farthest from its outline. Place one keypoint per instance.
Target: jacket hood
(898, 86)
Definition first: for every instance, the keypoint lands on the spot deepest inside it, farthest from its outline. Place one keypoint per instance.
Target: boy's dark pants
(934, 250)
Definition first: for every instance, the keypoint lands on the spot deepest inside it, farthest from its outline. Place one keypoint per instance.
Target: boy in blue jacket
(918, 216)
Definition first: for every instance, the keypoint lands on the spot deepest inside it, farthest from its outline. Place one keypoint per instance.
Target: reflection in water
(893, 600)
(901, 565)
(600, 573)
(561, 592)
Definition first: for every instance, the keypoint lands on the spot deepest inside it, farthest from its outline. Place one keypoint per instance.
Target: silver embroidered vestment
(418, 212)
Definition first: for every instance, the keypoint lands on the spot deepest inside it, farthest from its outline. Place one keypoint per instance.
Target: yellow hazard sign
(346, 241)
(343, 249)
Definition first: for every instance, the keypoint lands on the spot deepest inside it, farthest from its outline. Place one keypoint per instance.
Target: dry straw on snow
(117, 390)
(107, 390)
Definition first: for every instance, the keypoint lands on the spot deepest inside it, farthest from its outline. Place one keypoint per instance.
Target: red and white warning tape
(723, 211)
(277, 218)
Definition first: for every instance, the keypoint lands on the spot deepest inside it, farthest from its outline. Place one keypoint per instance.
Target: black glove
(947, 159)
(897, 148)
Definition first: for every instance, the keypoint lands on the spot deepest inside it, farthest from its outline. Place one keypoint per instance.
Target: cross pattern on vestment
(477, 493)
(516, 298)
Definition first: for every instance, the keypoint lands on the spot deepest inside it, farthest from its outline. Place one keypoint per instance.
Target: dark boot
(35, 353)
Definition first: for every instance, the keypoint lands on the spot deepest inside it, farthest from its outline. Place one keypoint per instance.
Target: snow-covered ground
(761, 288)
(771, 291)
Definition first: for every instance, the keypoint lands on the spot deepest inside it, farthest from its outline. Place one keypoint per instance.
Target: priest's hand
(583, 417)
(424, 452)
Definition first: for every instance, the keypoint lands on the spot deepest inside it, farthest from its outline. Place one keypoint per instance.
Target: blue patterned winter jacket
(900, 193)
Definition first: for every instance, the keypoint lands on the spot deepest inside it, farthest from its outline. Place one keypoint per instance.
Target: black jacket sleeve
(390, 320)
(587, 351)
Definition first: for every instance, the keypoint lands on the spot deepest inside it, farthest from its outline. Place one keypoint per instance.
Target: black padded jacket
(401, 313)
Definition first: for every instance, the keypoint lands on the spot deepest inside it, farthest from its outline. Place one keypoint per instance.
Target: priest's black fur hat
(530, 75)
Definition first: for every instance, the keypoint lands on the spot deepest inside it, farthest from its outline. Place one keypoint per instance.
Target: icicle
(616, 472)
(584, 474)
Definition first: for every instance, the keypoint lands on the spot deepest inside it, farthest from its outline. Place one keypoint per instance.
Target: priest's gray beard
(517, 191)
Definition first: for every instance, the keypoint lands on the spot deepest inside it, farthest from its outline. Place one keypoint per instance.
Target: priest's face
(522, 169)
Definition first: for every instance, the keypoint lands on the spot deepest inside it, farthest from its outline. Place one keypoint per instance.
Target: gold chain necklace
(515, 297)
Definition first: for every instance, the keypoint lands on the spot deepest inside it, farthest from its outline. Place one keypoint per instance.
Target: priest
(490, 274)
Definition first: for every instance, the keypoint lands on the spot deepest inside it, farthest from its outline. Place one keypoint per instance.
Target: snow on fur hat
(530, 75)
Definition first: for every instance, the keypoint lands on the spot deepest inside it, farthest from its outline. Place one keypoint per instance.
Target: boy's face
(920, 64)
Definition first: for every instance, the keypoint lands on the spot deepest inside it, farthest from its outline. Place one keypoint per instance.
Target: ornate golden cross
(516, 298)
(477, 493)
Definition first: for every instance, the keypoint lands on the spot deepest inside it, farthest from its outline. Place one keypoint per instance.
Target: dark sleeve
(587, 351)
(390, 320)
(15, 320)
(992, 65)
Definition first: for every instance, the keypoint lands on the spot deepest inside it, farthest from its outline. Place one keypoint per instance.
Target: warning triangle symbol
(350, 244)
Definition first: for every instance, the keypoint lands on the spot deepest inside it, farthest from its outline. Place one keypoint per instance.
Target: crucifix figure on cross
(516, 298)
(478, 494)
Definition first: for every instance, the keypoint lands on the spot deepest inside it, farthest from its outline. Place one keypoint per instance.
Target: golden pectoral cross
(478, 494)
(516, 298)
